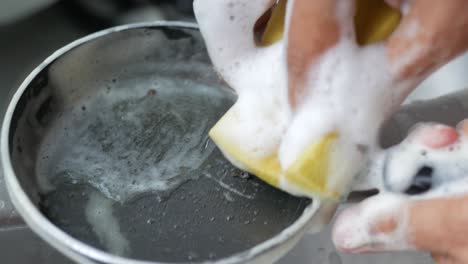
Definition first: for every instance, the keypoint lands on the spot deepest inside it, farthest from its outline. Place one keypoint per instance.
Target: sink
(27, 42)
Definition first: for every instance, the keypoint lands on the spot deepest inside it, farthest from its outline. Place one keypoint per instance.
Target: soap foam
(99, 214)
(258, 75)
(448, 164)
(350, 90)
(131, 141)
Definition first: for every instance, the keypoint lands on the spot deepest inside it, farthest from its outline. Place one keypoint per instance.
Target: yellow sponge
(374, 21)
(275, 26)
(311, 170)
(267, 168)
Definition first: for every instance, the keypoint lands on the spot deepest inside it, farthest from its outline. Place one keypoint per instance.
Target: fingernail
(434, 135)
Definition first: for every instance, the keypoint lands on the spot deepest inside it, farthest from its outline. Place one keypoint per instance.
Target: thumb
(439, 225)
(390, 222)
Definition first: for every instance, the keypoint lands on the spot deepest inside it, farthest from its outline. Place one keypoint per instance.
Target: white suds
(350, 90)
(99, 215)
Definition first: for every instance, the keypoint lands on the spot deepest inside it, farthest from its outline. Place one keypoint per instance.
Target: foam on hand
(424, 172)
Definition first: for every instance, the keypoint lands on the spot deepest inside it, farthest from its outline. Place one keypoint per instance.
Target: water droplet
(228, 197)
(192, 256)
(247, 222)
(2, 204)
(212, 219)
(265, 223)
(255, 212)
(229, 218)
(150, 221)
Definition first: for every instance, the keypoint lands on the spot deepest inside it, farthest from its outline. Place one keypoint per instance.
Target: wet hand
(390, 222)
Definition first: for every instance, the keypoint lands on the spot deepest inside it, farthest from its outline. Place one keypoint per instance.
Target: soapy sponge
(309, 174)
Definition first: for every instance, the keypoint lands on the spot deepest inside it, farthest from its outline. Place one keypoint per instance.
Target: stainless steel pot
(88, 95)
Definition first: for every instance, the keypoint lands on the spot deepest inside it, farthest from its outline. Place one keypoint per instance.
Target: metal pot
(96, 87)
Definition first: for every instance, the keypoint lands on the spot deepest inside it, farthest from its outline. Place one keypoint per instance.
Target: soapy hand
(336, 84)
(389, 222)
(431, 33)
(311, 105)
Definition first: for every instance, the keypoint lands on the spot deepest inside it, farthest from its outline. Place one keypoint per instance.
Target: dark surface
(196, 222)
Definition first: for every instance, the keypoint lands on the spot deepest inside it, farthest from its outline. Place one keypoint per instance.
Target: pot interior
(110, 143)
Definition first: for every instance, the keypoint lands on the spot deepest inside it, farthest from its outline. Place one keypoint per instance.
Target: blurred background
(30, 30)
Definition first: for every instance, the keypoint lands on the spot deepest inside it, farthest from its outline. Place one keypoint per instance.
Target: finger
(431, 33)
(438, 225)
(416, 177)
(314, 27)
(390, 222)
(433, 135)
(377, 224)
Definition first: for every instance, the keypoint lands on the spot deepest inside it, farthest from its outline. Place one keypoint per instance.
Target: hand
(372, 80)
(430, 34)
(389, 222)
(334, 86)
